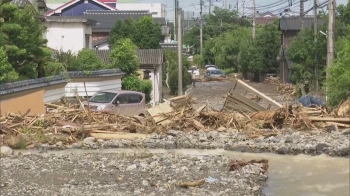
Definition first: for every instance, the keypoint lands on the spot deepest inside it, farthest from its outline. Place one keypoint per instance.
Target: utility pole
(315, 39)
(201, 27)
(254, 30)
(243, 8)
(225, 4)
(209, 6)
(330, 41)
(302, 13)
(179, 51)
(175, 19)
(237, 7)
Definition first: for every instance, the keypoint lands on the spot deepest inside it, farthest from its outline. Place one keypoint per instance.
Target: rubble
(68, 123)
(238, 164)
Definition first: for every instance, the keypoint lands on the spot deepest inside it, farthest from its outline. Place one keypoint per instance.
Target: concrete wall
(22, 101)
(67, 36)
(76, 85)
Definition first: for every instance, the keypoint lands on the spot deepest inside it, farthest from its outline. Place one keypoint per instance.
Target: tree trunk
(40, 68)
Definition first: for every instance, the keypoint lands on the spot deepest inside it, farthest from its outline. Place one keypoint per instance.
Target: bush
(173, 78)
(86, 60)
(134, 83)
(338, 82)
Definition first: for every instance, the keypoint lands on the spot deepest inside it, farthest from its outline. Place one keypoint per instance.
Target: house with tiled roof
(290, 27)
(105, 21)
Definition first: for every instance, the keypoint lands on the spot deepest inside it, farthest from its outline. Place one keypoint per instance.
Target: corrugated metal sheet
(237, 102)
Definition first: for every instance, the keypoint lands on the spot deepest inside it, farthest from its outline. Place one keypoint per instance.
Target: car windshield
(216, 71)
(193, 68)
(102, 97)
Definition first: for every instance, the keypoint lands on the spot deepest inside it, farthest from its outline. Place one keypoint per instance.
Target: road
(214, 92)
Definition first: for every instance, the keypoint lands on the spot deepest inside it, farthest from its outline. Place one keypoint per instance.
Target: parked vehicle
(129, 103)
(214, 73)
(209, 67)
(195, 71)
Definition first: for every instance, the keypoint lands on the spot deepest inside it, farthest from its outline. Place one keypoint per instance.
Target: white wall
(92, 87)
(67, 36)
(157, 85)
(54, 94)
(152, 7)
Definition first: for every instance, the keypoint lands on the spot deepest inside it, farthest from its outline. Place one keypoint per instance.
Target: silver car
(214, 73)
(129, 103)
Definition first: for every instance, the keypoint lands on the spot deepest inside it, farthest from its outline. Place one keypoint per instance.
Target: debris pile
(69, 123)
(238, 164)
(286, 89)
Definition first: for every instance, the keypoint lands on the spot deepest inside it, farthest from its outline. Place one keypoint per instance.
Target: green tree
(134, 83)
(86, 60)
(227, 47)
(147, 34)
(7, 73)
(124, 56)
(338, 82)
(302, 53)
(122, 30)
(22, 38)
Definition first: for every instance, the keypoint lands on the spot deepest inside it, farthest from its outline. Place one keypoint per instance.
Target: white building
(68, 33)
(157, 9)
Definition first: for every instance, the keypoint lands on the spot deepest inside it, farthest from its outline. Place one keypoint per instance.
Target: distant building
(156, 9)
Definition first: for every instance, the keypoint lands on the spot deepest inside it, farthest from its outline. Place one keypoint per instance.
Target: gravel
(136, 173)
(286, 142)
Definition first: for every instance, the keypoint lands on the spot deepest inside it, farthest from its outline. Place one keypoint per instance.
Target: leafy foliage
(338, 82)
(148, 33)
(86, 60)
(134, 83)
(171, 65)
(21, 35)
(144, 33)
(302, 53)
(124, 56)
(173, 80)
(7, 73)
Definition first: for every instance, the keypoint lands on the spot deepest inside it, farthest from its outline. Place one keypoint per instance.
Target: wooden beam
(258, 93)
(330, 119)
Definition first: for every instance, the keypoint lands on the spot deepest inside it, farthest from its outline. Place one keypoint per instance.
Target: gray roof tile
(294, 23)
(99, 41)
(160, 20)
(146, 56)
(107, 19)
(14, 87)
(95, 74)
(76, 19)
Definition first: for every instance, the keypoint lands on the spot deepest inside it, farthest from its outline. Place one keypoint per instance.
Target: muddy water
(299, 175)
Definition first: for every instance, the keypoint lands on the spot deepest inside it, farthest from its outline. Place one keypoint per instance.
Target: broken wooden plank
(119, 135)
(258, 93)
(330, 119)
(158, 111)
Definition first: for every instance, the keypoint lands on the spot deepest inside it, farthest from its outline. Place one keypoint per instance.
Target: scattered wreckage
(68, 123)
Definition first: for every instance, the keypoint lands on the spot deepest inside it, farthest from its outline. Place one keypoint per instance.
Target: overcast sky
(276, 6)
